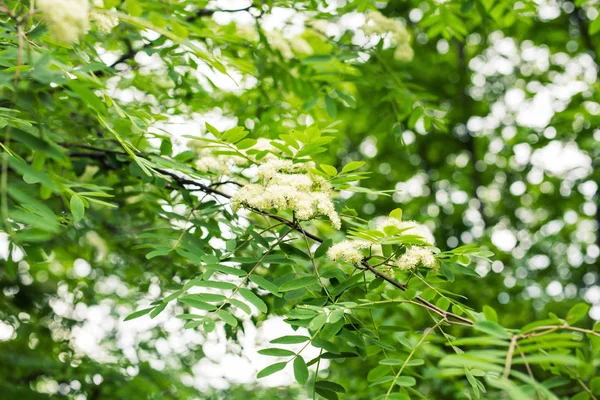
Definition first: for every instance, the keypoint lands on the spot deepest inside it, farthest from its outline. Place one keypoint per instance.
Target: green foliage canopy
(171, 167)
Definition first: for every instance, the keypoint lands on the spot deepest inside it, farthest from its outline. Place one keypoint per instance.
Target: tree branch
(184, 182)
(202, 12)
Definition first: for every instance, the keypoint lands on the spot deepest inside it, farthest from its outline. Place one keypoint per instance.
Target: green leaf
(138, 314)
(595, 385)
(594, 26)
(352, 165)
(492, 328)
(158, 310)
(577, 312)
(275, 352)
(490, 314)
(133, 8)
(208, 297)
(405, 381)
(226, 270)
(213, 130)
(331, 386)
(581, 395)
(227, 317)
(212, 284)
(317, 322)
(299, 283)
(209, 325)
(271, 369)
(396, 213)
(254, 299)
(291, 339)
(193, 301)
(241, 305)
(322, 249)
(77, 207)
(331, 107)
(300, 370)
(329, 170)
(265, 284)
(327, 394)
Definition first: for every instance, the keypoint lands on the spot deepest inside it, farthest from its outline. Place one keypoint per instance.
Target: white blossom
(301, 46)
(248, 32)
(416, 256)
(208, 161)
(278, 43)
(67, 19)
(320, 25)
(288, 186)
(347, 250)
(387, 271)
(378, 24)
(404, 52)
(104, 22)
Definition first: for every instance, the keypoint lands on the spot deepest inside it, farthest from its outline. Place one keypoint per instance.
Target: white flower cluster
(415, 256)
(348, 250)
(208, 161)
(377, 24)
(288, 47)
(67, 19)
(104, 22)
(287, 186)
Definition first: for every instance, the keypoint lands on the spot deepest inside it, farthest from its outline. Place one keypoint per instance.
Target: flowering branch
(185, 182)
